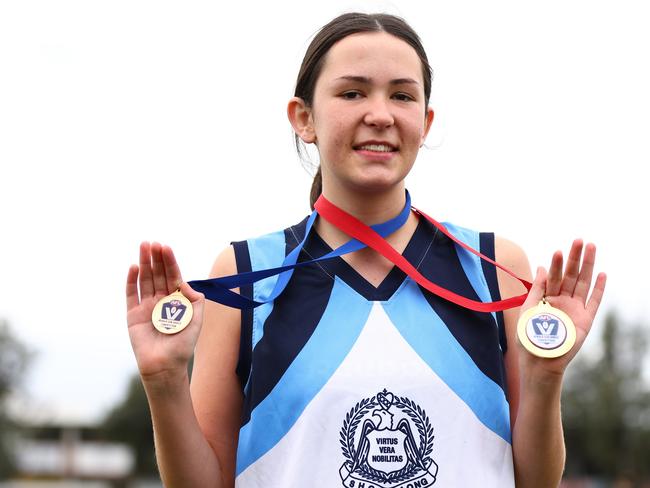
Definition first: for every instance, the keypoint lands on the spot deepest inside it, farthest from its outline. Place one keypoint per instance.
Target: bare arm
(187, 455)
(216, 389)
(535, 384)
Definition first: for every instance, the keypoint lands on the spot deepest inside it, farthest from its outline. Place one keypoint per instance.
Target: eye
(403, 97)
(350, 95)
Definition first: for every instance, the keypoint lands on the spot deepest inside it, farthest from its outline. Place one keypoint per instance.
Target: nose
(378, 113)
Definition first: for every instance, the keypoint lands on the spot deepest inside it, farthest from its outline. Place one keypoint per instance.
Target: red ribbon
(360, 231)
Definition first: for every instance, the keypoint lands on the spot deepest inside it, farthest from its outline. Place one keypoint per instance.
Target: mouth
(380, 147)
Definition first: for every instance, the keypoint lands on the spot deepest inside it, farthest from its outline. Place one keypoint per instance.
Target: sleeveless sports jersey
(350, 385)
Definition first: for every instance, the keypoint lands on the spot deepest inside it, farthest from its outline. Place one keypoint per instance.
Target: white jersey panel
(384, 419)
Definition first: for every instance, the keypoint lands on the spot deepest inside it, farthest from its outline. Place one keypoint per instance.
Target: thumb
(190, 293)
(538, 289)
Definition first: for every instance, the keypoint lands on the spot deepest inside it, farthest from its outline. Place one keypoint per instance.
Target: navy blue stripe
(243, 260)
(475, 331)
(296, 313)
(417, 246)
(490, 273)
(310, 370)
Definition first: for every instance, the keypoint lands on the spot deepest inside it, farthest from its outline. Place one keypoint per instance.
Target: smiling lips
(376, 147)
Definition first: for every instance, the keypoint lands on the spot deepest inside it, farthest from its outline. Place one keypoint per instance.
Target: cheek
(332, 135)
(339, 132)
(416, 132)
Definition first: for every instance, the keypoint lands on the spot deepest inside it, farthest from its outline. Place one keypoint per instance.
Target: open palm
(569, 292)
(157, 276)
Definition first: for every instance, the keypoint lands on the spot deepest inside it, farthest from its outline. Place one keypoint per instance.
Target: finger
(159, 279)
(196, 298)
(538, 290)
(172, 271)
(572, 268)
(554, 280)
(132, 299)
(146, 279)
(597, 294)
(192, 295)
(586, 273)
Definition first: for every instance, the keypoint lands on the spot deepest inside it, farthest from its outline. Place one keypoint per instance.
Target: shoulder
(225, 264)
(265, 250)
(464, 234)
(236, 258)
(511, 256)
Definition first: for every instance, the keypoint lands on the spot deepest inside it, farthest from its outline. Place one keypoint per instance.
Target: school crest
(387, 441)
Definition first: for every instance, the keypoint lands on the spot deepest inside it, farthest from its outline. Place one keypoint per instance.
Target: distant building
(71, 452)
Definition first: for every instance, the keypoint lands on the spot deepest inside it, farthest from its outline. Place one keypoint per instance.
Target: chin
(377, 184)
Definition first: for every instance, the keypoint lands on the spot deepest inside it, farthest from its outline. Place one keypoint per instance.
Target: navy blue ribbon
(219, 289)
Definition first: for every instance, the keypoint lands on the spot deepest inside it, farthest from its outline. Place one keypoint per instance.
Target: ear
(301, 119)
(428, 122)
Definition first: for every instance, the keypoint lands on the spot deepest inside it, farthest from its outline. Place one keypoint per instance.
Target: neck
(369, 208)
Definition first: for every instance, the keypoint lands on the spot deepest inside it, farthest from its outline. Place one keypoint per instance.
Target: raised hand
(570, 292)
(156, 276)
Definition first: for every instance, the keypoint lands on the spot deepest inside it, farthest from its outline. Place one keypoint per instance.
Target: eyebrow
(366, 80)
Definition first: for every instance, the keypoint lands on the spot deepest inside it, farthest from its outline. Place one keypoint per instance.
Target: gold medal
(546, 331)
(172, 313)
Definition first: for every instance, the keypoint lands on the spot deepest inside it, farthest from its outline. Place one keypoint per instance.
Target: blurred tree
(606, 408)
(130, 422)
(13, 362)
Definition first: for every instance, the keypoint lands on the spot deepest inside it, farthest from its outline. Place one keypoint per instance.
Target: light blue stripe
(265, 252)
(427, 334)
(470, 262)
(334, 336)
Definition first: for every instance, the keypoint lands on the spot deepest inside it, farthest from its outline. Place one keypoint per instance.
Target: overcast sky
(135, 120)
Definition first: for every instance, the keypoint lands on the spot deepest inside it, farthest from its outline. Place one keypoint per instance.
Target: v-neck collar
(418, 245)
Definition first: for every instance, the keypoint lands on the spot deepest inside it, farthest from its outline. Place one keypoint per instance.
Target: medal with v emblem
(546, 331)
(172, 313)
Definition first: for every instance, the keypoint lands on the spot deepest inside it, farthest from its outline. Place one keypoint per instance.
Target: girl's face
(369, 117)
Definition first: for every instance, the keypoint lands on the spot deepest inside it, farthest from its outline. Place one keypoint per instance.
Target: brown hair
(338, 28)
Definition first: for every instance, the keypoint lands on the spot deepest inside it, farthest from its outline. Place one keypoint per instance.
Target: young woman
(355, 375)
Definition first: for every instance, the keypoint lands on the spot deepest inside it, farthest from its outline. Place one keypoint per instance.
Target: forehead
(372, 53)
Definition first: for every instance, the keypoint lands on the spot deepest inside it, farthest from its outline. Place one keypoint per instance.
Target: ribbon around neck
(220, 289)
(358, 230)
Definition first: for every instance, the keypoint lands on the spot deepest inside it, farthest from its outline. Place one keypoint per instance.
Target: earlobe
(301, 120)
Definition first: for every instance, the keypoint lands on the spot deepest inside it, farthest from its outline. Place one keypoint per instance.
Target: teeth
(377, 147)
